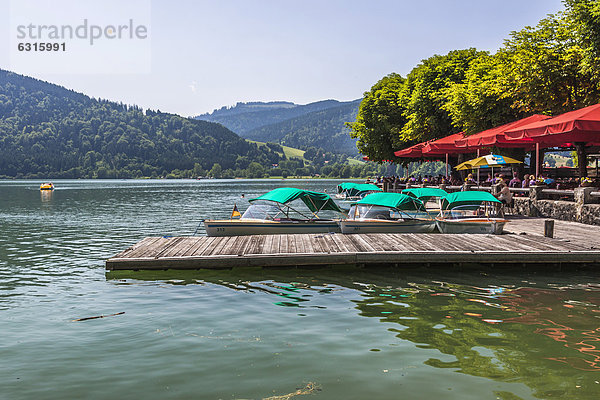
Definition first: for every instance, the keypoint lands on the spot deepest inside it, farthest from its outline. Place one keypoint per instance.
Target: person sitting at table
(515, 182)
(532, 181)
(504, 195)
(525, 183)
(551, 183)
(489, 180)
(469, 180)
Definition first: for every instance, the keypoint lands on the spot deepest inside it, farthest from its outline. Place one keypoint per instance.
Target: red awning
(581, 125)
(496, 137)
(445, 145)
(411, 152)
(434, 148)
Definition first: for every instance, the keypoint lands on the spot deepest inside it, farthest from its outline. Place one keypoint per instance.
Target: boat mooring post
(549, 228)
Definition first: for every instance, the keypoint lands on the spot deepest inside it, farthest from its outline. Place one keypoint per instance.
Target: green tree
(424, 95)
(380, 119)
(345, 172)
(216, 171)
(479, 102)
(255, 170)
(198, 170)
(541, 68)
(585, 14)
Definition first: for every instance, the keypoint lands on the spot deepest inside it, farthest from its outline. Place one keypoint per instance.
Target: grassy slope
(290, 152)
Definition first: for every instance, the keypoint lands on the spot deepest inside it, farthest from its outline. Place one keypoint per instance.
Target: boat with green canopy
(431, 197)
(426, 193)
(471, 212)
(273, 214)
(355, 191)
(388, 213)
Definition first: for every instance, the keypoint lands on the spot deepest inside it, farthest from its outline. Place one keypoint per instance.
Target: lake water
(340, 333)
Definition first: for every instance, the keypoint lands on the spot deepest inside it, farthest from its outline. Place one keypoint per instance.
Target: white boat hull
(264, 227)
(383, 226)
(471, 225)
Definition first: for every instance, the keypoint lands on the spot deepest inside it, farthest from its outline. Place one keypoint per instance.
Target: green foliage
(398, 112)
(478, 102)
(380, 119)
(550, 68)
(216, 171)
(542, 68)
(424, 95)
(47, 131)
(255, 170)
(585, 14)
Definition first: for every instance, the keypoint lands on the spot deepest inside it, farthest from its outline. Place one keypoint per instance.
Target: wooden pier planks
(574, 243)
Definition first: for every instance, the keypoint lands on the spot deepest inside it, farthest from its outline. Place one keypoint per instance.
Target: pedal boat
(47, 186)
(431, 198)
(471, 212)
(388, 213)
(351, 191)
(271, 214)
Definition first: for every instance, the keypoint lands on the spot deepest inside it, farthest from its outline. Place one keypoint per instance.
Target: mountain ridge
(50, 131)
(321, 129)
(318, 124)
(241, 119)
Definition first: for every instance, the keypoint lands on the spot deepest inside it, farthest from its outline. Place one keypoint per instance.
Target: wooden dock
(523, 244)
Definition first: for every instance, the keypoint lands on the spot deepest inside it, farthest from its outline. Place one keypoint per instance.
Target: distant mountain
(321, 129)
(244, 117)
(319, 124)
(243, 108)
(48, 131)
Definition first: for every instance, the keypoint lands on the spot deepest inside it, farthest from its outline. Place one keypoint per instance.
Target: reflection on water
(46, 195)
(248, 333)
(506, 328)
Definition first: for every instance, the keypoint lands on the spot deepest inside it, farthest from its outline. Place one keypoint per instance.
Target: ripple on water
(357, 333)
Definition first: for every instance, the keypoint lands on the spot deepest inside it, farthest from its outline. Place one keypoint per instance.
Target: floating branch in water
(98, 316)
(310, 388)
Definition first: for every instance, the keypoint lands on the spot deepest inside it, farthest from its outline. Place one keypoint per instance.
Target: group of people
(531, 180)
(504, 194)
(419, 180)
(527, 181)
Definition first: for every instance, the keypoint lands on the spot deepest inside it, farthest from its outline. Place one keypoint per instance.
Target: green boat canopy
(355, 189)
(315, 201)
(472, 197)
(425, 194)
(396, 201)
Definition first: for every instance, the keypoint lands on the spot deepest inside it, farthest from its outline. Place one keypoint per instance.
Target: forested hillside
(244, 117)
(48, 131)
(324, 128)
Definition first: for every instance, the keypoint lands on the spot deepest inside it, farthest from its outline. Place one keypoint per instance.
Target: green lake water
(335, 333)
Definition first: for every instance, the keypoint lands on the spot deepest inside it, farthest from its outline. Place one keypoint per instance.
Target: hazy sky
(206, 54)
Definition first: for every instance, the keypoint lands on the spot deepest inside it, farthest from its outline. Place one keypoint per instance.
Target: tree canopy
(550, 68)
(380, 119)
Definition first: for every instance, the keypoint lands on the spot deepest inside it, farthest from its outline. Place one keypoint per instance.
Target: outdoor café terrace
(563, 193)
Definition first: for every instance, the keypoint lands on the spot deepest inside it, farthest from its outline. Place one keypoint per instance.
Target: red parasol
(445, 145)
(581, 125)
(496, 137)
(411, 152)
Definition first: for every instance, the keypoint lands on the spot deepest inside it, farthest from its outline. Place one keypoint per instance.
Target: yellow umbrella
(491, 160)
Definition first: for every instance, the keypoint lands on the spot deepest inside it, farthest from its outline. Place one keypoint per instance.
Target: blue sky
(206, 54)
